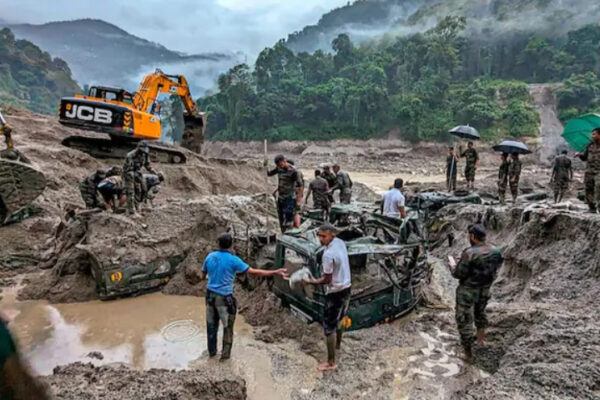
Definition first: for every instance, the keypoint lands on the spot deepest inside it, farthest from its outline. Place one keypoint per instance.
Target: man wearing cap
(132, 173)
(337, 280)
(289, 191)
(476, 271)
(343, 183)
(562, 175)
(319, 188)
(451, 169)
(222, 266)
(331, 180)
(472, 164)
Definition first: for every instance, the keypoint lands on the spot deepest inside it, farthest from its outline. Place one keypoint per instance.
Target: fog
(190, 26)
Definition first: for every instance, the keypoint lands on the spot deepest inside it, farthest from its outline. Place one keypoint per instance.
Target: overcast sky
(192, 26)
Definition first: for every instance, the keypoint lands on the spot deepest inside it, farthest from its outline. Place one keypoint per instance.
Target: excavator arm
(159, 82)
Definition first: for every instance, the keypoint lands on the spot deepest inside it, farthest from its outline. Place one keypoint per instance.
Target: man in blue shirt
(221, 266)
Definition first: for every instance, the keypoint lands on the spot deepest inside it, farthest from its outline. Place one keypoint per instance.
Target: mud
(543, 335)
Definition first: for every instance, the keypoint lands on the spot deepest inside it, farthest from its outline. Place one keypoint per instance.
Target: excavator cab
(111, 94)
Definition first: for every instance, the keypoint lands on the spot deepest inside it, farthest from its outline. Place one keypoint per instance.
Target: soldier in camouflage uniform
(132, 173)
(503, 177)
(514, 173)
(562, 174)
(591, 178)
(89, 188)
(476, 271)
(289, 191)
(344, 184)
(451, 170)
(472, 163)
(331, 181)
(319, 189)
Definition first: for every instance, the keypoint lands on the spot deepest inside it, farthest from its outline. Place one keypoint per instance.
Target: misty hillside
(99, 52)
(31, 78)
(366, 19)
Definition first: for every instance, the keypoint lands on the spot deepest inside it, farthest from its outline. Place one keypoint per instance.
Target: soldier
(343, 183)
(289, 191)
(562, 175)
(132, 173)
(503, 177)
(10, 153)
(451, 169)
(472, 164)
(89, 186)
(591, 178)
(476, 271)
(111, 189)
(331, 181)
(297, 215)
(514, 173)
(319, 188)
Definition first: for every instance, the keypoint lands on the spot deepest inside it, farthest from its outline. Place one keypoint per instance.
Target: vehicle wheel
(176, 159)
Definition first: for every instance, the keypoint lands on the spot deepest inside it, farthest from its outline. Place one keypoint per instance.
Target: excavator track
(20, 185)
(109, 148)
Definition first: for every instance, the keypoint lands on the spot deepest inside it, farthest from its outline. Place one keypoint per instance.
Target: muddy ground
(543, 335)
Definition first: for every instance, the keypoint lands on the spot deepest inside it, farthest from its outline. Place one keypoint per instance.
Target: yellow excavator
(130, 117)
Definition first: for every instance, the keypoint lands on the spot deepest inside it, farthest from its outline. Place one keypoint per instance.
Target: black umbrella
(512, 147)
(465, 132)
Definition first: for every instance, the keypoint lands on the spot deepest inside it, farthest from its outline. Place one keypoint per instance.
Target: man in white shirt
(393, 201)
(337, 280)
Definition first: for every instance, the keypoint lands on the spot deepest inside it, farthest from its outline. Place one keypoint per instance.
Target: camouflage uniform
(502, 179)
(132, 176)
(514, 173)
(591, 178)
(289, 181)
(451, 173)
(476, 272)
(344, 184)
(319, 188)
(89, 188)
(561, 175)
(472, 157)
(331, 181)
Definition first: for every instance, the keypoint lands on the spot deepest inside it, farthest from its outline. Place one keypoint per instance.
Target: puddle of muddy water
(150, 331)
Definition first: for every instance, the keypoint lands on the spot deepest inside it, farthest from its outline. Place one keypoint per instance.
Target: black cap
(478, 230)
(279, 158)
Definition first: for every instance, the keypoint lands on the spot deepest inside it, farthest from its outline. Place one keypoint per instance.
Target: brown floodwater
(150, 331)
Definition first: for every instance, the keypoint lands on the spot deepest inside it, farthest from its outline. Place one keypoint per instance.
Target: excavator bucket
(193, 132)
(20, 185)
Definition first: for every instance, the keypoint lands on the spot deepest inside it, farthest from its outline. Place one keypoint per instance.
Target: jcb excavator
(129, 118)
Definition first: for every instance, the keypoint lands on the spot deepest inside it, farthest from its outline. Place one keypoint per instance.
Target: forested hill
(31, 78)
(101, 53)
(414, 86)
(365, 19)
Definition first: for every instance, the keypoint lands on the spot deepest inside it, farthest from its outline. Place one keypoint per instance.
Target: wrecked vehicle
(130, 277)
(386, 279)
(20, 185)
